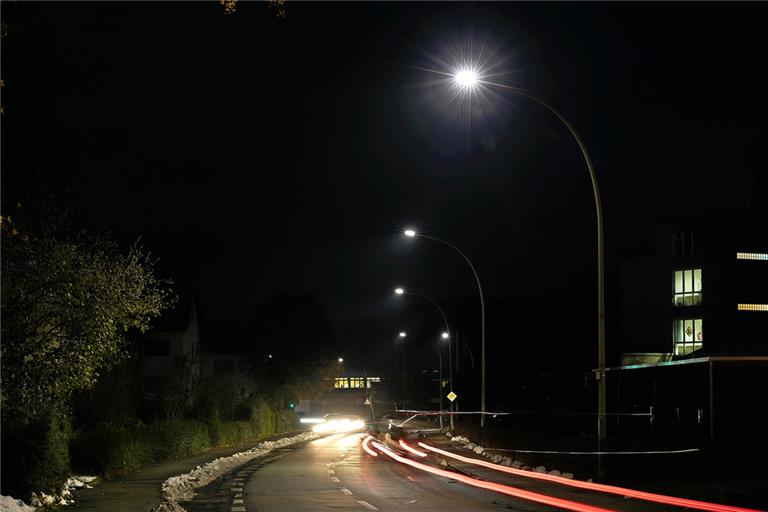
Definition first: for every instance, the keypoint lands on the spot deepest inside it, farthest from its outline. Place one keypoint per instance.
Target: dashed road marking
(237, 509)
(367, 505)
(346, 491)
(237, 502)
(236, 489)
(331, 472)
(238, 495)
(335, 480)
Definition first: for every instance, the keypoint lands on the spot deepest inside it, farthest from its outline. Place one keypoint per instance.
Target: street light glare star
(444, 335)
(402, 334)
(399, 291)
(409, 232)
(467, 78)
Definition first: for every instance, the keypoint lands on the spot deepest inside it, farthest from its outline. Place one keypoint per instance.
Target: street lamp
(402, 334)
(470, 80)
(341, 360)
(411, 233)
(445, 335)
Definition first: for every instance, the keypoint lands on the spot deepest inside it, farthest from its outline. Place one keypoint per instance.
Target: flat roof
(695, 360)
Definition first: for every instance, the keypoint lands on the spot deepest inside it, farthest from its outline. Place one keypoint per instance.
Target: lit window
(752, 256)
(340, 383)
(687, 335)
(687, 287)
(356, 382)
(685, 243)
(752, 307)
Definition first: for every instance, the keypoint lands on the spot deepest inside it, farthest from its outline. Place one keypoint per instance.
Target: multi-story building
(170, 354)
(694, 328)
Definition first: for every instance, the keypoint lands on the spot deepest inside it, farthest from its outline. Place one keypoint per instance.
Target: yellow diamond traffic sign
(452, 396)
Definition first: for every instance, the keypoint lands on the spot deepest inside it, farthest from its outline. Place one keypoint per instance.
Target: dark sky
(257, 155)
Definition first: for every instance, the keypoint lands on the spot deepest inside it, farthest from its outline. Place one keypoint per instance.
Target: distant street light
(445, 335)
(412, 234)
(471, 79)
(341, 360)
(402, 334)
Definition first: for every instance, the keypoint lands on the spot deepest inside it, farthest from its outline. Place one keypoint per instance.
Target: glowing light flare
(367, 448)
(402, 334)
(411, 449)
(338, 426)
(610, 489)
(409, 233)
(312, 421)
(399, 291)
(466, 78)
(492, 486)
(445, 335)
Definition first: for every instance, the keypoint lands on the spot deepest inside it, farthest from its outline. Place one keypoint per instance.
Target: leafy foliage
(67, 307)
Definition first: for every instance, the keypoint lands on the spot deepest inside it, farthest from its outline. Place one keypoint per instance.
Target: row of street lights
(469, 82)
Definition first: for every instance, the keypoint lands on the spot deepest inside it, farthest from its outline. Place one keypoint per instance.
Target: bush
(116, 449)
(35, 455)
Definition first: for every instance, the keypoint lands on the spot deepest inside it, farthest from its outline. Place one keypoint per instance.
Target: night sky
(256, 155)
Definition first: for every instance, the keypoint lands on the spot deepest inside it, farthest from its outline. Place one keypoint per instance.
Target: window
(224, 367)
(752, 307)
(340, 383)
(752, 256)
(157, 347)
(687, 335)
(356, 382)
(687, 287)
(685, 243)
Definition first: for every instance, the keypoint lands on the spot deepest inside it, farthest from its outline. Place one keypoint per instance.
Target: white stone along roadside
(182, 487)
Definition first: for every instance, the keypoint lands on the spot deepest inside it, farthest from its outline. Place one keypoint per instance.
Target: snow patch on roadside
(182, 487)
(504, 461)
(63, 497)
(10, 504)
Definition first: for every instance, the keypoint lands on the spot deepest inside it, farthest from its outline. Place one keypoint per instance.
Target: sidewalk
(140, 491)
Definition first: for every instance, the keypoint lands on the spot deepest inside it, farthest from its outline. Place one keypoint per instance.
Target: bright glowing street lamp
(467, 78)
(471, 80)
(402, 334)
(445, 335)
(399, 291)
(341, 360)
(411, 233)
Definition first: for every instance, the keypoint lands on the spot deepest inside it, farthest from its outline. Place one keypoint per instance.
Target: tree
(296, 331)
(68, 305)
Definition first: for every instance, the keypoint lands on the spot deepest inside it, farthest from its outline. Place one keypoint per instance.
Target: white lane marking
(237, 509)
(331, 472)
(236, 489)
(238, 495)
(237, 502)
(367, 505)
(346, 491)
(335, 480)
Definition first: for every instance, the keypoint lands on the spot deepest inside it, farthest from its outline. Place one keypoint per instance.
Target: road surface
(334, 473)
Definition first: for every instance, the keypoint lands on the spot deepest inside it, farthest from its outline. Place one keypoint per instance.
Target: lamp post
(446, 335)
(469, 80)
(411, 233)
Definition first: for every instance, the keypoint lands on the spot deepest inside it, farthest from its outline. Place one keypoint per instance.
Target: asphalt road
(333, 473)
